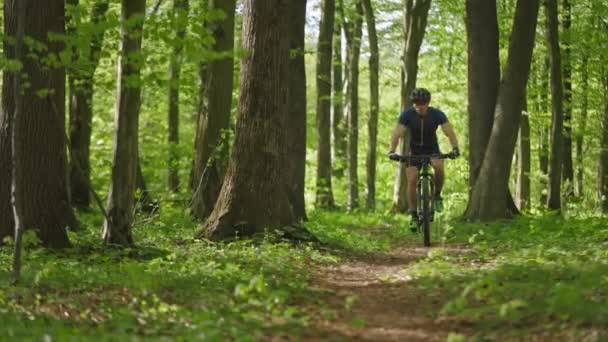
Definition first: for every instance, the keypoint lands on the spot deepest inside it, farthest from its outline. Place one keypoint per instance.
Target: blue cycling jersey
(422, 129)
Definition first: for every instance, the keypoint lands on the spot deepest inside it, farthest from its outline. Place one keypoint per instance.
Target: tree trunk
(415, 19)
(352, 109)
(7, 220)
(372, 124)
(296, 125)
(117, 226)
(523, 162)
(557, 138)
(490, 198)
(81, 90)
(602, 183)
(325, 198)
(568, 170)
(180, 16)
(338, 122)
(580, 166)
(483, 78)
(39, 141)
(144, 198)
(212, 144)
(254, 196)
(543, 145)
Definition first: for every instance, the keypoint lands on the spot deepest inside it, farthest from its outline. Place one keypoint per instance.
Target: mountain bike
(425, 189)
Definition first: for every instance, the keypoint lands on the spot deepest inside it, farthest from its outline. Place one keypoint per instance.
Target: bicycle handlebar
(420, 157)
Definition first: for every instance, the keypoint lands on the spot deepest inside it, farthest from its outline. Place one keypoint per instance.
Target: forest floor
(374, 299)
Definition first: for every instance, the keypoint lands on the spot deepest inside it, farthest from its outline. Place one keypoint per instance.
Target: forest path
(371, 298)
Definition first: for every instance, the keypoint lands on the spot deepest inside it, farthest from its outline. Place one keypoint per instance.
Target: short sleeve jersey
(423, 129)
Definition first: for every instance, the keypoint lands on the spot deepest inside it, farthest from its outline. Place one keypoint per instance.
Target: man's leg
(412, 177)
(438, 180)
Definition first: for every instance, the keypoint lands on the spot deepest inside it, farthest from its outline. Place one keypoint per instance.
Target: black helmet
(421, 94)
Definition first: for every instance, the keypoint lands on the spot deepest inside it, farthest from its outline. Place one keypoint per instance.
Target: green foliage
(526, 273)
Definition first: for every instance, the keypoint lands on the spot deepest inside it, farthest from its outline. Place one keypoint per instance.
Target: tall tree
(214, 119)
(483, 78)
(81, 91)
(523, 162)
(414, 22)
(117, 226)
(372, 124)
(325, 196)
(296, 125)
(557, 106)
(180, 20)
(544, 133)
(254, 196)
(38, 130)
(603, 162)
(580, 166)
(352, 107)
(338, 122)
(568, 169)
(490, 198)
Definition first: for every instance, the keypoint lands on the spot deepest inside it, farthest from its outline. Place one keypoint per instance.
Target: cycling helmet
(421, 94)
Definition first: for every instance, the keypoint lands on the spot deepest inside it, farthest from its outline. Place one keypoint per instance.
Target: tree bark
(338, 122)
(602, 183)
(212, 144)
(372, 123)
(352, 108)
(117, 226)
(7, 219)
(544, 133)
(580, 166)
(180, 16)
(490, 196)
(296, 125)
(325, 198)
(557, 138)
(39, 142)
(415, 19)
(81, 91)
(254, 196)
(483, 78)
(523, 162)
(568, 170)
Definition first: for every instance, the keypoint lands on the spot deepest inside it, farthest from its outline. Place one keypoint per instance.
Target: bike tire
(426, 213)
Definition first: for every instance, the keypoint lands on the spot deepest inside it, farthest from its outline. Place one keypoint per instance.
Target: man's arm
(449, 132)
(398, 132)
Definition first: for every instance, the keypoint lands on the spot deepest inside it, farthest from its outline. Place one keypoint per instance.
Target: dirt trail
(373, 299)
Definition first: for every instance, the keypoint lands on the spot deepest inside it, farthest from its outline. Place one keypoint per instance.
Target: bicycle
(424, 190)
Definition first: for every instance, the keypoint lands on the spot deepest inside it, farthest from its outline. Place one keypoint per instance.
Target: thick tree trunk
(490, 198)
(372, 123)
(81, 90)
(180, 15)
(352, 108)
(483, 78)
(580, 166)
(602, 184)
(211, 148)
(415, 19)
(254, 196)
(117, 226)
(39, 142)
(557, 137)
(523, 163)
(338, 122)
(325, 196)
(568, 170)
(296, 125)
(7, 221)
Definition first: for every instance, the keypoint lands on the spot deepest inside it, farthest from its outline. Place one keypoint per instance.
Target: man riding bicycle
(421, 122)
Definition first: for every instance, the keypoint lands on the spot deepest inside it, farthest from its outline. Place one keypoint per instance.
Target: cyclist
(421, 122)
